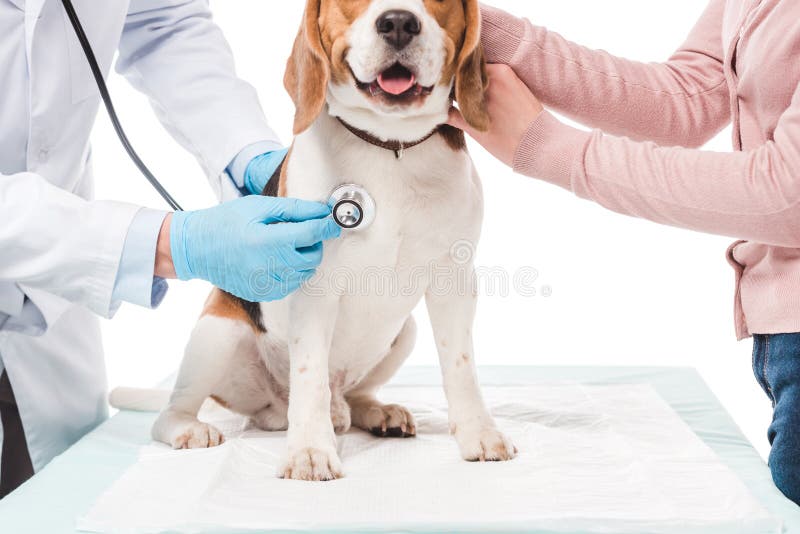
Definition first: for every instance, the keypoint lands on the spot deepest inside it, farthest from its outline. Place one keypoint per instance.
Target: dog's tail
(139, 400)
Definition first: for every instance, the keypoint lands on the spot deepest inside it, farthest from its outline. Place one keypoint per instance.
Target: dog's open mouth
(395, 83)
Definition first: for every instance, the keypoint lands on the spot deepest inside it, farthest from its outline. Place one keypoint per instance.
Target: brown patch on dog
(450, 14)
(226, 306)
(472, 79)
(284, 174)
(319, 56)
(461, 22)
(465, 357)
(302, 369)
(222, 402)
(336, 17)
(308, 71)
(453, 137)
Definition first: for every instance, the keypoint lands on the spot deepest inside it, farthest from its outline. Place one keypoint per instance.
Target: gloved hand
(261, 168)
(256, 248)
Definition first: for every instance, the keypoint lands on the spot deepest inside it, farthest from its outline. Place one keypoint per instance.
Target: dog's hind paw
(198, 436)
(383, 420)
(484, 445)
(312, 464)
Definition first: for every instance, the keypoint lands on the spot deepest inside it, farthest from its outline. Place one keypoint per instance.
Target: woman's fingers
(456, 119)
(512, 109)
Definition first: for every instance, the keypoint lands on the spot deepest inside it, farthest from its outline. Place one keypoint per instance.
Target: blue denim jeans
(776, 363)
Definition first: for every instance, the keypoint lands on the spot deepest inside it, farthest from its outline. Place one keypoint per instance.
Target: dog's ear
(308, 70)
(472, 79)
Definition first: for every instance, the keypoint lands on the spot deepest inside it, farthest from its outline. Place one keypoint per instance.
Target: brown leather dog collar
(398, 147)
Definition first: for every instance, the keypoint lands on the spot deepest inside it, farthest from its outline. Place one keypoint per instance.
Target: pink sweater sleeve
(753, 195)
(682, 102)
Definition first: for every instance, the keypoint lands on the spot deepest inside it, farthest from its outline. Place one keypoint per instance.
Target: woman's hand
(512, 109)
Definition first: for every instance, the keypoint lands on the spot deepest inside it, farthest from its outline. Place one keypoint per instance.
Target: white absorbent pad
(592, 459)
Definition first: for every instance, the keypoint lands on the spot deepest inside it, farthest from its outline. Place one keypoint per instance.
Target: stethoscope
(352, 207)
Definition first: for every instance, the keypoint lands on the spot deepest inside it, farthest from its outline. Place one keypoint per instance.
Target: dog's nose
(398, 27)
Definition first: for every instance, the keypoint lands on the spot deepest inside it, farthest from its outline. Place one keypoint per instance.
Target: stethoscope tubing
(109, 105)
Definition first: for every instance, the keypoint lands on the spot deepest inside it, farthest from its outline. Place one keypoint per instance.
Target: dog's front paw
(312, 464)
(198, 436)
(484, 444)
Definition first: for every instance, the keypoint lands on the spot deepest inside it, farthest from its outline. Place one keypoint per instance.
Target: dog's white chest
(426, 202)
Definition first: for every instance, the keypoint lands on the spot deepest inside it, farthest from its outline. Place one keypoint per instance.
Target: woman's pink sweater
(741, 63)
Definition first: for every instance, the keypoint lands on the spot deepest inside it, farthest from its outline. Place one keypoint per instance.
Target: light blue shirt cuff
(135, 280)
(238, 166)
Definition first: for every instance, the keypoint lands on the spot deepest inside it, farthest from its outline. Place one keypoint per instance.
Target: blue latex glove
(261, 168)
(257, 248)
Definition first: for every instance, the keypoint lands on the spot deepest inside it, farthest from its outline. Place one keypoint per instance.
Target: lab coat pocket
(102, 23)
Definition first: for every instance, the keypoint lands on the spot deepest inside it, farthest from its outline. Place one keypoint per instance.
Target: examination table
(65, 490)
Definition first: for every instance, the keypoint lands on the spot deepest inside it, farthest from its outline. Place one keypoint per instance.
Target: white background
(624, 291)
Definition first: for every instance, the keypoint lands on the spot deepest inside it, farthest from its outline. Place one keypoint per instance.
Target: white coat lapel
(34, 6)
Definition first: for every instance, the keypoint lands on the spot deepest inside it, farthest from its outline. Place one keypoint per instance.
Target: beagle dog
(372, 81)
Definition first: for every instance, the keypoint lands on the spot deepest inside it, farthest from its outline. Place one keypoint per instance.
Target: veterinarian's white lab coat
(59, 250)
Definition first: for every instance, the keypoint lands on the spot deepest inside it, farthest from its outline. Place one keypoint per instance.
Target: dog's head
(388, 66)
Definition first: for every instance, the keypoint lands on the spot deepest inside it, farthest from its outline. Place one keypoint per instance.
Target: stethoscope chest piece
(352, 207)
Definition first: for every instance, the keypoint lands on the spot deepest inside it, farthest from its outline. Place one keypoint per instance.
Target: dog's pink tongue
(396, 83)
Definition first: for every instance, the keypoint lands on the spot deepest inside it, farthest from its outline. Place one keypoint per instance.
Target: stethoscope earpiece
(352, 207)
